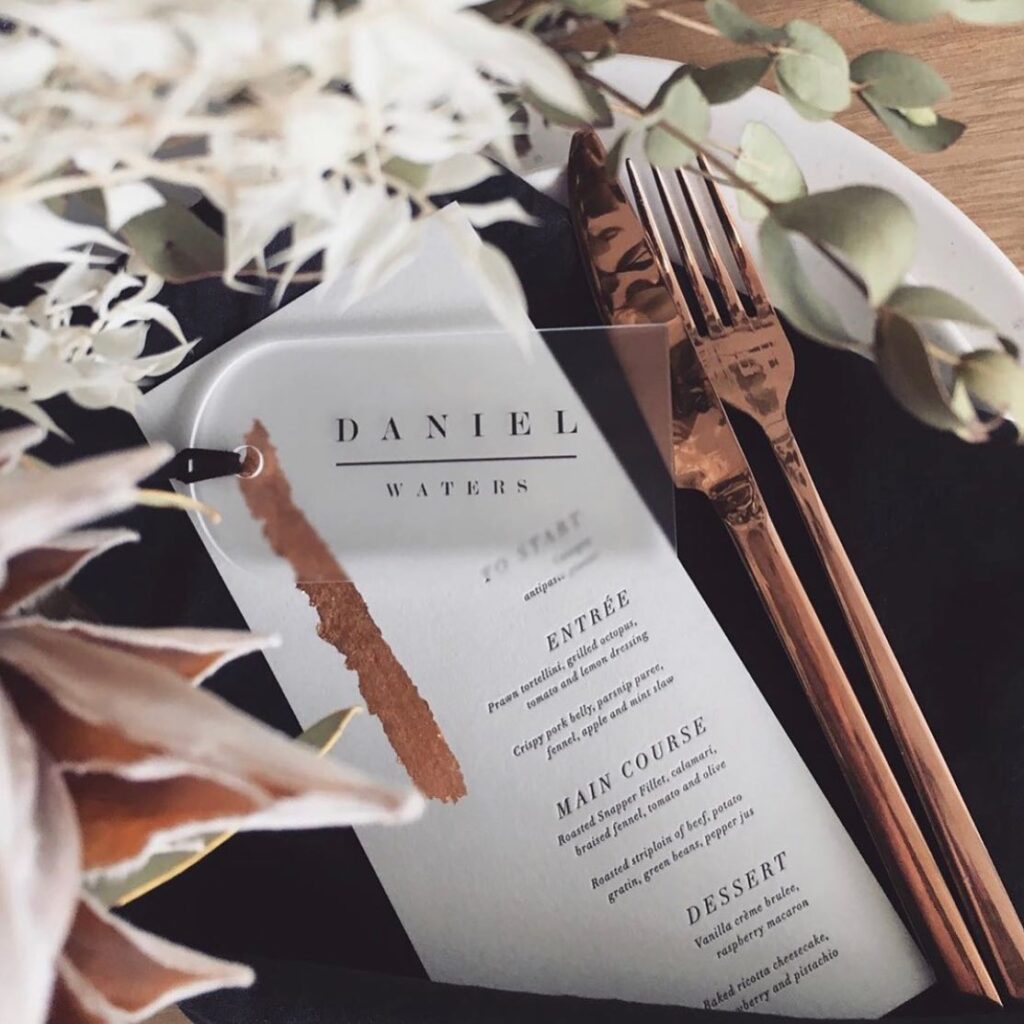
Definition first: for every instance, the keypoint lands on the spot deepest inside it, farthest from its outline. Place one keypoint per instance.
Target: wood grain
(983, 174)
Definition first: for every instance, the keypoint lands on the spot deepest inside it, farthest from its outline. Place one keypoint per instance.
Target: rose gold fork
(633, 283)
(750, 361)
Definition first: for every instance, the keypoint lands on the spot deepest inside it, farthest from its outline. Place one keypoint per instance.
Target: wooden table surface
(984, 172)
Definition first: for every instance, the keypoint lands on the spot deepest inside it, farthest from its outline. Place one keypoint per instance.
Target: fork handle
(960, 843)
(909, 861)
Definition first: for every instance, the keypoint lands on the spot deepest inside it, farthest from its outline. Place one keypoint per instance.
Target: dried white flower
(84, 336)
(110, 754)
(331, 121)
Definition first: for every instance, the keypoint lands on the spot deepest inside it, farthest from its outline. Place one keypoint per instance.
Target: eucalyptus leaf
(815, 67)
(996, 380)
(922, 302)
(898, 80)
(616, 154)
(173, 242)
(603, 10)
(919, 138)
(921, 117)
(805, 110)
(554, 114)
(680, 74)
(601, 112)
(792, 292)
(1009, 345)
(413, 174)
(912, 377)
(987, 12)
(682, 106)
(537, 14)
(873, 229)
(767, 164)
(722, 83)
(734, 24)
(905, 10)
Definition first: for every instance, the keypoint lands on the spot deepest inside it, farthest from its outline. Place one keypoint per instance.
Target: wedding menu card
(614, 811)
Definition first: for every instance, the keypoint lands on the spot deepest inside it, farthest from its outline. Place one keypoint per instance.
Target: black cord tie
(191, 465)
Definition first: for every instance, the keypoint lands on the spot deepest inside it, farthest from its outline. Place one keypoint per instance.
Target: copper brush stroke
(347, 625)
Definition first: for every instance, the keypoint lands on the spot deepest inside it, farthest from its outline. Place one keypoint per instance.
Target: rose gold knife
(631, 287)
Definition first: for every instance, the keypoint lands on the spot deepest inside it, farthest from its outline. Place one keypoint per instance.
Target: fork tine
(644, 209)
(705, 300)
(756, 290)
(736, 311)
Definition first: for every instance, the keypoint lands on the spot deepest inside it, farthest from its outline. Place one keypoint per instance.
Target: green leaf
(873, 229)
(681, 105)
(767, 164)
(740, 27)
(616, 154)
(553, 114)
(815, 67)
(324, 734)
(537, 14)
(602, 113)
(905, 10)
(729, 81)
(987, 12)
(921, 302)
(913, 379)
(919, 138)
(598, 115)
(413, 174)
(792, 292)
(898, 80)
(174, 243)
(805, 110)
(1009, 345)
(920, 117)
(603, 10)
(996, 380)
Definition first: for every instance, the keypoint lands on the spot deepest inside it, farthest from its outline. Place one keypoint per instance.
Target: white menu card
(627, 818)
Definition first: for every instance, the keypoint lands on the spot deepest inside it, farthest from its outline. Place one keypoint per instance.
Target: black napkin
(313, 994)
(931, 524)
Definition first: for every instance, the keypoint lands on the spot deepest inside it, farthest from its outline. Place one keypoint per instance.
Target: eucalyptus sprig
(866, 232)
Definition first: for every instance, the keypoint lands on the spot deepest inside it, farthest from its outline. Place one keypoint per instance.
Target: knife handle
(960, 843)
(908, 859)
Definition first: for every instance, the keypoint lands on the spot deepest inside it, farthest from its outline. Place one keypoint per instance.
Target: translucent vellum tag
(432, 448)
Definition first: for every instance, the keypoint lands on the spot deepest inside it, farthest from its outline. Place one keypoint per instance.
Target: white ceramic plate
(953, 252)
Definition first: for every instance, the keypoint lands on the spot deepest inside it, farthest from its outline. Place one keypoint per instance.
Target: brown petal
(37, 506)
(80, 745)
(259, 778)
(74, 744)
(39, 870)
(192, 654)
(121, 890)
(14, 444)
(32, 574)
(66, 1008)
(118, 817)
(114, 973)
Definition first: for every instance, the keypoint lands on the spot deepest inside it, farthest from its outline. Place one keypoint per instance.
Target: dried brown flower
(109, 754)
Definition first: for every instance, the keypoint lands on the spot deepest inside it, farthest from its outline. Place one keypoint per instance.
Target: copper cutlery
(633, 282)
(751, 364)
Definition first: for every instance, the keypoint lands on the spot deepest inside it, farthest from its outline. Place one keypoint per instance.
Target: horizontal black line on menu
(480, 458)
